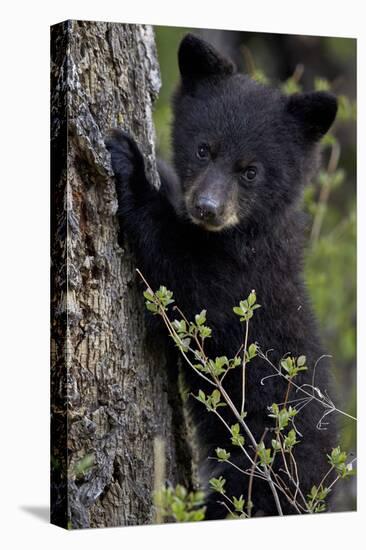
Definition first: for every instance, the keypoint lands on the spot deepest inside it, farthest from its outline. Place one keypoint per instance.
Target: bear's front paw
(126, 158)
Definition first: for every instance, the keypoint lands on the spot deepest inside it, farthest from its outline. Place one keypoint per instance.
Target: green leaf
(274, 408)
(235, 362)
(283, 419)
(199, 367)
(264, 454)
(252, 298)
(321, 84)
(316, 498)
(179, 505)
(198, 515)
(217, 484)
(180, 491)
(150, 297)
(201, 318)
(337, 456)
(165, 296)
(235, 429)
(202, 396)
(291, 86)
(238, 440)
(290, 440)
(217, 366)
(338, 459)
(151, 307)
(239, 503)
(180, 326)
(215, 397)
(252, 351)
(328, 139)
(276, 446)
(184, 344)
(205, 332)
(259, 76)
(221, 361)
(222, 454)
(292, 366)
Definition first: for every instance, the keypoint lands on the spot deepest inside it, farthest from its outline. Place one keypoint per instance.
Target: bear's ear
(315, 111)
(198, 60)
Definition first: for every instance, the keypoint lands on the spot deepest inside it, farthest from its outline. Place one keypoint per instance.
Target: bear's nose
(207, 208)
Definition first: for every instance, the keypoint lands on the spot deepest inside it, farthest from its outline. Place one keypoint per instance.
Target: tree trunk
(110, 392)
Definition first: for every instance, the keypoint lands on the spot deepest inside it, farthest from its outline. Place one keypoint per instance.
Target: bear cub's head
(242, 151)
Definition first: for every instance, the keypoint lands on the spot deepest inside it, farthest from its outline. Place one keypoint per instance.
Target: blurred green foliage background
(303, 63)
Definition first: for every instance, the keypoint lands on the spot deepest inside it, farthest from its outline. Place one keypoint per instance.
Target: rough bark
(110, 392)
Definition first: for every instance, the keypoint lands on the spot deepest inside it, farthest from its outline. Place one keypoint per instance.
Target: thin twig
(225, 505)
(301, 388)
(254, 443)
(250, 485)
(244, 366)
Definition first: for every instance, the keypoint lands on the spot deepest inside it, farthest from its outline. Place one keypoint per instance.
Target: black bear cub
(228, 220)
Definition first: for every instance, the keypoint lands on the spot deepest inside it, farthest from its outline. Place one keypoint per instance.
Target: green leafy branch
(177, 504)
(189, 337)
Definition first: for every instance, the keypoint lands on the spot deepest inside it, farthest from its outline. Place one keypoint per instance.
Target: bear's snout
(208, 208)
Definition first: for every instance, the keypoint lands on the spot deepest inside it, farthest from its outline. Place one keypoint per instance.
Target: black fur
(253, 239)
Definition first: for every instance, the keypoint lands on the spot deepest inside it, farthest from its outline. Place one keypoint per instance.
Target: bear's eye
(249, 174)
(203, 152)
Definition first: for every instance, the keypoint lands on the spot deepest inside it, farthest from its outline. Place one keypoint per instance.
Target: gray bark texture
(110, 389)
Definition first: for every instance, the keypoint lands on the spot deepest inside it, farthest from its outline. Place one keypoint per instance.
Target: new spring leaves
(189, 337)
